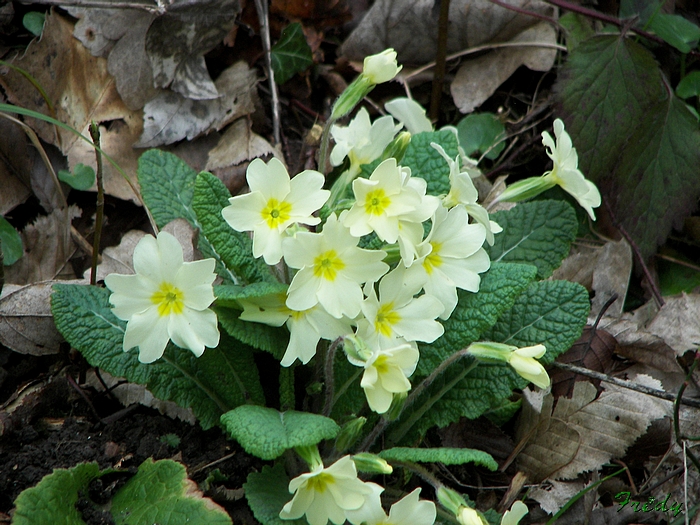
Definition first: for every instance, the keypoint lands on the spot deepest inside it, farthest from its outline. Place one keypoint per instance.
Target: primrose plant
(392, 301)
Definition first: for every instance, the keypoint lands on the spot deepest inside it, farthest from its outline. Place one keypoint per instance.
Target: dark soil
(48, 421)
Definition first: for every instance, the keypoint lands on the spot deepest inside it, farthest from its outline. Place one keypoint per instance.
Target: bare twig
(263, 17)
(440, 60)
(100, 206)
(630, 385)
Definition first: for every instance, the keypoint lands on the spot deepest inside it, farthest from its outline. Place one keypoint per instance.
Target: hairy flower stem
(380, 427)
(100, 206)
(325, 142)
(329, 377)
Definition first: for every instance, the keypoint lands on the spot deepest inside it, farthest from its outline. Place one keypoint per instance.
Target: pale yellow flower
(521, 359)
(381, 67)
(166, 299)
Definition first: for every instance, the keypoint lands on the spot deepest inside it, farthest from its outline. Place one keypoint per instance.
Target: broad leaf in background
(167, 188)
(482, 133)
(689, 86)
(291, 54)
(552, 313)
(161, 493)
(235, 248)
(538, 233)
(34, 22)
(475, 313)
(447, 456)
(676, 30)
(221, 379)
(10, 242)
(82, 178)
(267, 433)
(635, 139)
(267, 492)
(426, 162)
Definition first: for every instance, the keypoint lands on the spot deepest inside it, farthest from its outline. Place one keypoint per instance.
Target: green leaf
(680, 32)
(483, 133)
(477, 312)
(577, 28)
(291, 54)
(635, 139)
(689, 86)
(538, 232)
(267, 433)
(675, 278)
(34, 22)
(448, 456)
(643, 9)
(267, 492)
(221, 379)
(82, 178)
(234, 248)
(10, 242)
(258, 335)
(552, 313)
(426, 162)
(161, 493)
(53, 499)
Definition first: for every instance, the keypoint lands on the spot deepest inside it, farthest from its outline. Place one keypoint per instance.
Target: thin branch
(638, 254)
(440, 60)
(630, 385)
(100, 205)
(261, 7)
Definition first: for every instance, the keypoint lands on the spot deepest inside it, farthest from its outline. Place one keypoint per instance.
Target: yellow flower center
(320, 483)
(376, 202)
(386, 318)
(275, 212)
(170, 300)
(433, 260)
(381, 364)
(327, 265)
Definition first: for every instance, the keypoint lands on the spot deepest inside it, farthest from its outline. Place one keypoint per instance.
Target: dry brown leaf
(26, 322)
(582, 433)
(15, 166)
(47, 248)
(171, 117)
(239, 144)
(556, 494)
(81, 90)
(477, 79)
(677, 322)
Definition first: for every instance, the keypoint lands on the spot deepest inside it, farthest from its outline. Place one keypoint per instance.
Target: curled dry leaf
(583, 433)
(47, 248)
(26, 322)
(239, 144)
(81, 90)
(171, 117)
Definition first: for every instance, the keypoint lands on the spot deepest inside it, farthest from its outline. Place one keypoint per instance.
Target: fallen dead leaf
(14, 166)
(583, 433)
(47, 248)
(477, 79)
(26, 322)
(171, 117)
(555, 494)
(82, 90)
(678, 322)
(240, 144)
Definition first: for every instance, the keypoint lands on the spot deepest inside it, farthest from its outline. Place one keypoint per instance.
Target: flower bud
(371, 463)
(381, 67)
(451, 500)
(349, 433)
(469, 516)
(525, 189)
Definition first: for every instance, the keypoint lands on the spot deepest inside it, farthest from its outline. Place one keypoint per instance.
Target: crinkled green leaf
(475, 313)
(161, 493)
(267, 433)
(680, 32)
(221, 379)
(228, 294)
(482, 133)
(291, 54)
(267, 492)
(448, 456)
(552, 313)
(258, 335)
(82, 178)
(167, 188)
(426, 162)
(635, 139)
(234, 248)
(10, 242)
(537, 232)
(53, 499)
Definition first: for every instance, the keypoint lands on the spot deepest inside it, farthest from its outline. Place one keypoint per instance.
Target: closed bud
(397, 148)
(396, 406)
(371, 463)
(451, 500)
(349, 433)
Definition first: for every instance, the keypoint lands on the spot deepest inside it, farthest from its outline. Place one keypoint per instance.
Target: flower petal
(149, 332)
